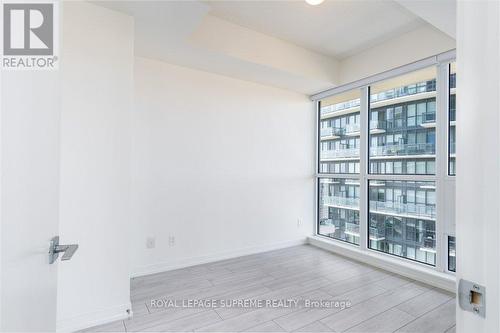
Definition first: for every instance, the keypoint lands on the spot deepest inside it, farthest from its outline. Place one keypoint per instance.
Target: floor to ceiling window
(382, 162)
(339, 147)
(402, 141)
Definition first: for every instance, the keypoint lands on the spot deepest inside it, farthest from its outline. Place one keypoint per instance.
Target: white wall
(97, 94)
(478, 162)
(225, 166)
(415, 45)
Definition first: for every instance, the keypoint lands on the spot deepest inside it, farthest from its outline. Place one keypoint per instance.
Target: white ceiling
(334, 28)
(439, 13)
(286, 44)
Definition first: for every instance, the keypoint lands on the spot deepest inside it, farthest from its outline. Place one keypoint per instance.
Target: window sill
(416, 271)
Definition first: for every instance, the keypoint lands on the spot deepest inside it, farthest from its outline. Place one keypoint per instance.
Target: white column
(478, 163)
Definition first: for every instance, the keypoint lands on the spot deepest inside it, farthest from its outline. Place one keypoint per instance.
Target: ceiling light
(314, 2)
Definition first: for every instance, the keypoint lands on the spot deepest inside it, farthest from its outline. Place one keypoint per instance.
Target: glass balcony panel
(428, 117)
(340, 153)
(377, 125)
(403, 149)
(332, 132)
(402, 219)
(352, 128)
(402, 123)
(338, 209)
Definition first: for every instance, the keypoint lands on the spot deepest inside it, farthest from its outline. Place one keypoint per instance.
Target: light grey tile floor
(368, 299)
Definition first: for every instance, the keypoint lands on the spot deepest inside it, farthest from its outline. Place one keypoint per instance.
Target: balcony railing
(403, 149)
(429, 117)
(332, 131)
(403, 209)
(401, 123)
(377, 125)
(340, 153)
(380, 233)
(340, 106)
(352, 228)
(452, 148)
(412, 89)
(377, 234)
(341, 201)
(453, 114)
(424, 118)
(453, 80)
(352, 128)
(332, 226)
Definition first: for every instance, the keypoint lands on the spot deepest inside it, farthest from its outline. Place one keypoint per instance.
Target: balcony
(409, 210)
(327, 227)
(377, 234)
(332, 132)
(413, 89)
(453, 116)
(339, 228)
(352, 229)
(452, 149)
(377, 126)
(341, 202)
(340, 107)
(351, 153)
(423, 245)
(352, 129)
(403, 150)
(397, 124)
(428, 119)
(453, 81)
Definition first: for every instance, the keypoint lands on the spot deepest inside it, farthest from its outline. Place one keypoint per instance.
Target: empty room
(250, 166)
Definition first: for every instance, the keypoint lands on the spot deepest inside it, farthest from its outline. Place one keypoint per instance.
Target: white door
(29, 150)
(478, 160)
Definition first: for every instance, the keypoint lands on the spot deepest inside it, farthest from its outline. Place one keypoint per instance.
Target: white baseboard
(192, 261)
(94, 318)
(414, 271)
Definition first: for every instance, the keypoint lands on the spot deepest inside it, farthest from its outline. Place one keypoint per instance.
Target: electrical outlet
(150, 243)
(171, 240)
(299, 222)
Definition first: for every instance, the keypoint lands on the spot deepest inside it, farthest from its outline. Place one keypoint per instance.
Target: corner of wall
(192, 261)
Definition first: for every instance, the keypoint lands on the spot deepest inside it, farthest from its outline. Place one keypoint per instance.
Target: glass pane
(452, 262)
(452, 120)
(339, 133)
(338, 209)
(403, 124)
(402, 219)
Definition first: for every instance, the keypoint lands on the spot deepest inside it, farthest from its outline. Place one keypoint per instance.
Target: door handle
(68, 250)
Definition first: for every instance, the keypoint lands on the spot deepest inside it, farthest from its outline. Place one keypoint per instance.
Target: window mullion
(441, 163)
(363, 169)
